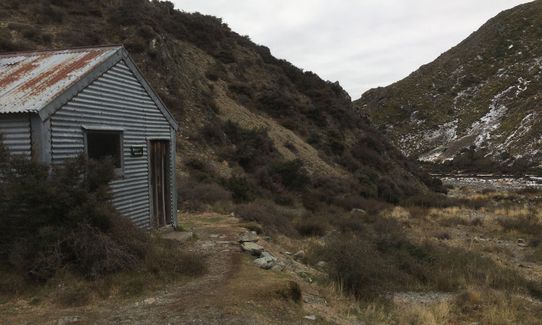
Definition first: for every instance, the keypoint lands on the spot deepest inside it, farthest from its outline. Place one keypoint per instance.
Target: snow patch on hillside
(414, 118)
(465, 94)
(445, 133)
(523, 84)
(492, 120)
(432, 157)
(523, 128)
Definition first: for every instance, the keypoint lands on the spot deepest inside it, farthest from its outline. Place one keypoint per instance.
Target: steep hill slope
(483, 94)
(252, 126)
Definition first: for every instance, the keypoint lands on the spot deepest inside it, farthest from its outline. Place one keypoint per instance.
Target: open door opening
(160, 188)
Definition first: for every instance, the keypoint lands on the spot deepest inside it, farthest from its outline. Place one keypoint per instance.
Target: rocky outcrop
(482, 94)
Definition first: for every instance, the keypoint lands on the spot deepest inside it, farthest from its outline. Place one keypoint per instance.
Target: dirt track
(234, 291)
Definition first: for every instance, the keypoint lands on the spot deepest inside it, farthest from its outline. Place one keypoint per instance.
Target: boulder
(299, 255)
(321, 264)
(249, 237)
(310, 317)
(252, 248)
(358, 212)
(268, 255)
(266, 261)
(69, 320)
(278, 267)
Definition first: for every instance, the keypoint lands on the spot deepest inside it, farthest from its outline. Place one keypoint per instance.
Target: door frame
(168, 177)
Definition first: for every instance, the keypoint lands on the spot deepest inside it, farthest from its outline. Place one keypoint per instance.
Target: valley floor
(504, 227)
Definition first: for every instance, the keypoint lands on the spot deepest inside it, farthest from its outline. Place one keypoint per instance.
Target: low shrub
(455, 221)
(355, 265)
(213, 134)
(526, 225)
(308, 227)
(194, 195)
(443, 236)
(271, 217)
(388, 190)
(291, 291)
(291, 174)
(64, 220)
(253, 147)
(349, 223)
(74, 38)
(281, 176)
(241, 189)
(369, 155)
(428, 200)
(166, 259)
(253, 226)
(47, 14)
(331, 191)
(276, 103)
(200, 170)
(75, 295)
(437, 200)
(372, 256)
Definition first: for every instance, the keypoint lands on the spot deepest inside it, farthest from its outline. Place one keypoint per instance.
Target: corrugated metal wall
(115, 100)
(17, 134)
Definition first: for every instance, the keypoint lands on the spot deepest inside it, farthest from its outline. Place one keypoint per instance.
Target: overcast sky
(361, 43)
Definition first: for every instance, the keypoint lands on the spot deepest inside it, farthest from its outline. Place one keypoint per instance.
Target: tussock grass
(377, 257)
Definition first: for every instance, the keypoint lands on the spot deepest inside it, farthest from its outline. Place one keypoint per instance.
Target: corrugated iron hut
(55, 105)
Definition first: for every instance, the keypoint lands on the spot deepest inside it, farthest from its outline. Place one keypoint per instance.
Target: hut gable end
(116, 102)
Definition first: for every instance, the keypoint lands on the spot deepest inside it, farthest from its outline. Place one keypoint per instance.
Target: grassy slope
(207, 75)
(461, 85)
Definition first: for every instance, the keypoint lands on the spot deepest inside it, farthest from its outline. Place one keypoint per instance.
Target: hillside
(479, 101)
(252, 126)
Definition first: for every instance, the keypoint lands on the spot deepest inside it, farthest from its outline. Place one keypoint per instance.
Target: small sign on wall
(136, 151)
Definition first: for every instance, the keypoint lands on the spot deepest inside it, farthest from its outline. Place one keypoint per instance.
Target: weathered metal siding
(115, 100)
(16, 134)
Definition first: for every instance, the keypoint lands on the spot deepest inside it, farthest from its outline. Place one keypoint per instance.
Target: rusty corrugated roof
(29, 81)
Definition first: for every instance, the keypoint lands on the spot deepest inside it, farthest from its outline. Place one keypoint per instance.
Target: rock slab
(266, 261)
(249, 237)
(252, 248)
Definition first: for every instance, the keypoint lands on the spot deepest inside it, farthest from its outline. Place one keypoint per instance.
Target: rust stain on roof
(62, 71)
(29, 81)
(19, 72)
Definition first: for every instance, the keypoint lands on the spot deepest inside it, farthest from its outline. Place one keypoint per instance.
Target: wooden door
(160, 183)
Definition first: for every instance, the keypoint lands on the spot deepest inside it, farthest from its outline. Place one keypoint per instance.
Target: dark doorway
(159, 173)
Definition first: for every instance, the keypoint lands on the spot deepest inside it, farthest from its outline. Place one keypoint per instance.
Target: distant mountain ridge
(484, 96)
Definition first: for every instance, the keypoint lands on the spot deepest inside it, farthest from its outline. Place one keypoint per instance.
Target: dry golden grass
(376, 313)
(513, 212)
(436, 314)
(496, 307)
(400, 214)
(480, 231)
(458, 213)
